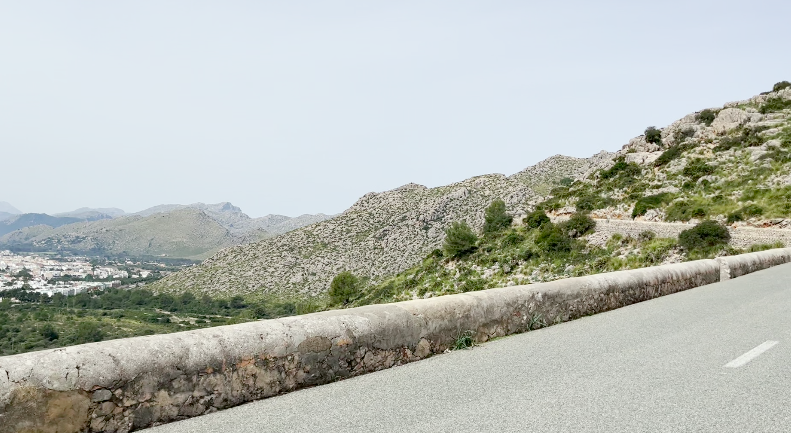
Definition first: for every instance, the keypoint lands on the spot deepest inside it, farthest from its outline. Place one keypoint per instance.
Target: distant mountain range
(180, 231)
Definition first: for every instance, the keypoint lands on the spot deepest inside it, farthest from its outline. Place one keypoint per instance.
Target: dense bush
(511, 238)
(684, 211)
(495, 218)
(578, 225)
(775, 104)
(622, 172)
(653, 135)
(649, 202)
(780, 86)
(705, 235)
(535, 219)
(459, 240)
(343, 288)
(746, 212)
(697, 168)
(88, 332)
(589, 202)
(707, 117)
(553, 239)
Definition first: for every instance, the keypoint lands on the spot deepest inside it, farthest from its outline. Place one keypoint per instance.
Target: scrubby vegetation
(775, 104)
(706, 117)
(649, 202)
(672, 153)
(34, 321)
(704, 237)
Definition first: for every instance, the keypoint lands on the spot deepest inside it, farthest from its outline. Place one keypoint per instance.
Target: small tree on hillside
(344, 287)
(459, 240)
(653, 135)
(495, 218)
(780, 86)
(536, 219)
(707, 116)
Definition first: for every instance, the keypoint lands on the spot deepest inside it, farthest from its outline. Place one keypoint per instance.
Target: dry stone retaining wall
(128, 384)
(741, 237)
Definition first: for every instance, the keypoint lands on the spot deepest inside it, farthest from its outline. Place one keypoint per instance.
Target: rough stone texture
(743, 264)
(741, 237)
(123, 385)
(728, 119)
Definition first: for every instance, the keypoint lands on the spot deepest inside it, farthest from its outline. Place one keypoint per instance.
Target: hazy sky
(297, 107)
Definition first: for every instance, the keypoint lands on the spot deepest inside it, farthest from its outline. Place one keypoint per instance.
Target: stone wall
(741, 237)
(128, 384)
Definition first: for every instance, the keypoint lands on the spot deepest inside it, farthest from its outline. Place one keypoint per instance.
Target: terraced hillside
(382, 234)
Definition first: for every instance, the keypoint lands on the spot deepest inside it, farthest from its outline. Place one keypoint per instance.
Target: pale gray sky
(297, 107)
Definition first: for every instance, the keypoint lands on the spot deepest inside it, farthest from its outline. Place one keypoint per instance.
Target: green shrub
(649, 202)
(553, 239)
(621, 172)
(746, 212)
(464, 341)
(672, 153)
(511, 238)
(495, 218)
(653, 135)
(780, 86)
(775, 104)
(459, 240)
(88, 332)
(681, 135)
(589, 202)
(705, 235)
(578, 225)
(684, 211)
(707, 117)
(344, 287)
(697, 168)
(566, 181)
(48, 332)
(535, 219)
(748, 137)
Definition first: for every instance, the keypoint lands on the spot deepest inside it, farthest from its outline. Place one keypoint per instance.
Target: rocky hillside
(731, 164)
(728, 163)
(382, 234)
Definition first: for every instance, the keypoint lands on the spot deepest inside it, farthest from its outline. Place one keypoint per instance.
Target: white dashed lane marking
(749, 356)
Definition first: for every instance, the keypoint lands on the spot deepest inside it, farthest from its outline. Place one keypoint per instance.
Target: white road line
(749, 356)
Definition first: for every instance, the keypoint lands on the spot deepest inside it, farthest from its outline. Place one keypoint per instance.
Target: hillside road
(712, 359)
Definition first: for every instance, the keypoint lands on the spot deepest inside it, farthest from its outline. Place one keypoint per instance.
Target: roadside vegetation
(34, 322)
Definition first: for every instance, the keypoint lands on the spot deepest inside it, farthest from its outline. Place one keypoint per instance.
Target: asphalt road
(681, 363)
